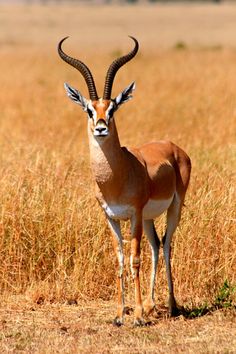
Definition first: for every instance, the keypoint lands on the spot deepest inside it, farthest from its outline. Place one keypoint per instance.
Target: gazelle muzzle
(101, 128)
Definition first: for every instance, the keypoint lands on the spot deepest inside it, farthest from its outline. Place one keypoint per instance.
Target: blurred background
(96, 2)
(157, 24)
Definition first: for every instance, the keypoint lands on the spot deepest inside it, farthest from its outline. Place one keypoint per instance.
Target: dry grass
(54, 244)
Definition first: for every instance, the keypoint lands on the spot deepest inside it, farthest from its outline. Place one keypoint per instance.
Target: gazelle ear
(76, 96)
(125, 95)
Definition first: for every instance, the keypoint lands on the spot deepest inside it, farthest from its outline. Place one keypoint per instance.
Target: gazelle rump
(138, 184)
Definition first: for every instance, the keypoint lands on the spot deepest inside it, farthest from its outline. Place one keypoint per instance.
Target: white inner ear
(84, 103)
(119, 98)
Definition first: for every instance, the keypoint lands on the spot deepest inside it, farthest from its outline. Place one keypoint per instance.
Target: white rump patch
(155, 208)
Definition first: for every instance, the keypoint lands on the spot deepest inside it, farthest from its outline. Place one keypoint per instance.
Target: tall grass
(54, 243)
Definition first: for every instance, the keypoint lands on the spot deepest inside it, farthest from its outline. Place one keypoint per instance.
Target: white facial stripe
(109, 109)
(92, 109)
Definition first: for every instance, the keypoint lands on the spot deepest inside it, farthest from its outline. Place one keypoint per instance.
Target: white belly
(155, 208)
(151, 210)
(118, 212)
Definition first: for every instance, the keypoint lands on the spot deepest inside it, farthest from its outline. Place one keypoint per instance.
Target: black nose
(101, 129)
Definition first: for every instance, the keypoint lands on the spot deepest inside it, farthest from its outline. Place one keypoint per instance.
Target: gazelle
(131, 183)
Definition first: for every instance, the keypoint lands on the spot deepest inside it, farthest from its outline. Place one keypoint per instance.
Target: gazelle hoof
(174, 311)
(139, 322)
(117, 322)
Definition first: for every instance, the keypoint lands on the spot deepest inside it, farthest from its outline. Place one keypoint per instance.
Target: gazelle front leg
(118, 248)
(136, 232)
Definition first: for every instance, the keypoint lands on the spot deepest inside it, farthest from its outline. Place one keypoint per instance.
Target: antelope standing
(131, 183)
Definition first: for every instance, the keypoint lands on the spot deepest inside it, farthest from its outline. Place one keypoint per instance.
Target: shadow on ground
(186, 312)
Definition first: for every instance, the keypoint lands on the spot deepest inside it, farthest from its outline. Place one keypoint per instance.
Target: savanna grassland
(56, 259)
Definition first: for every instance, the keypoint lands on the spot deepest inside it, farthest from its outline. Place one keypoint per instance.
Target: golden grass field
(56, 257)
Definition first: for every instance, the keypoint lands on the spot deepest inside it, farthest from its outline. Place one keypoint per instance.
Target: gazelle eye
(111, 112)
(90, 113)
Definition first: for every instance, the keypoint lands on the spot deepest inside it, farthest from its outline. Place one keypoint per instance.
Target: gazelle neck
(106, 156)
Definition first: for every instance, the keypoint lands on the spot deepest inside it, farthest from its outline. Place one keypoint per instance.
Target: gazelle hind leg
(118, 248)
(173, 217)
(150, 231)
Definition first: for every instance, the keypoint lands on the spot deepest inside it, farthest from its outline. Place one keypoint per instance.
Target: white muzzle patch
(101, 129)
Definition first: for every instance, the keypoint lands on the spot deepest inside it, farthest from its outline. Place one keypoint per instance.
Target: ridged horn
(115, 66)
(83, 69)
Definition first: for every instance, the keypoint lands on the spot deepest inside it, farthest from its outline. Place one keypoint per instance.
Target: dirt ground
(87, 328)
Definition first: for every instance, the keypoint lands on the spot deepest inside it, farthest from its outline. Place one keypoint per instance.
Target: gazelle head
(100, 111)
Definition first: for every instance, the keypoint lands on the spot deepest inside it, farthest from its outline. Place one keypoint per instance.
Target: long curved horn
(115, 66)
(83, 69)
